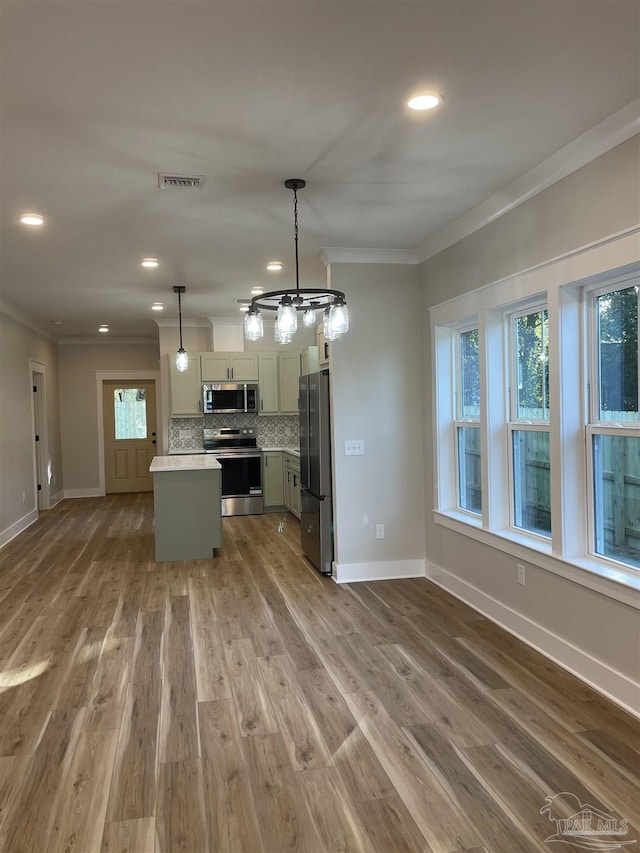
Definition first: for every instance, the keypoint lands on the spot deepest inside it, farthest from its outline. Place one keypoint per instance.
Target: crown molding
(27, 320)
(337, 255)
(173, 323)
(103, 340)
(227, 321)
(613, 131)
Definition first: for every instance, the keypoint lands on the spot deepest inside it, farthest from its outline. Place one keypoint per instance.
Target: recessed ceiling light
(103, 328)
(274, 266)
(32, 219)
(256, 291)
(157, 306)
(424, 101)
(150, 262)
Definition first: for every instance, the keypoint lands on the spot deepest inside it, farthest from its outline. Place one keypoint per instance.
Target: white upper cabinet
(268, 383)
(229, 367)
(185, 387)
(288, 376)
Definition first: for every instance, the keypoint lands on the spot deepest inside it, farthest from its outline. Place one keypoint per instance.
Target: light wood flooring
(247, 704)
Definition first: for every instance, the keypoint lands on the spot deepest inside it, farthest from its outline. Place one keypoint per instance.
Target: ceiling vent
(180, 182)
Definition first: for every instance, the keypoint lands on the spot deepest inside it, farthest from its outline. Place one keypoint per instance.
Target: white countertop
(293, 451)
(184, 462)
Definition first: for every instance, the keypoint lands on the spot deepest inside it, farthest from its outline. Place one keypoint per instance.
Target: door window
(130, 410)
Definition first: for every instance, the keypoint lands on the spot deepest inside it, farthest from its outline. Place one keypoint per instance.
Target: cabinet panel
(292, 484)
(309, 361)
(268, 381)
(273, 486)
(214, 366)
(243, 366)
(185, 388)
(288, 375)
(324, 348)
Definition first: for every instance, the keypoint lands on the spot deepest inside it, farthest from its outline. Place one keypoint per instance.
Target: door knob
(153, 441)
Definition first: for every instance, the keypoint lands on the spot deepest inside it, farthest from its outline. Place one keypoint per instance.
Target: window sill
(599, 575)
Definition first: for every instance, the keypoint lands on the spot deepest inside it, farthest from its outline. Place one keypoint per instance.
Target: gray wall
(79, 364)
(598, 200)
(18, 344)
(377, 396)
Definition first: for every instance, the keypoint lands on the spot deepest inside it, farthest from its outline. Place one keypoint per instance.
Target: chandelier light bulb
(339, 318)
(253, 325)
(327, 328)
(309, 317)
(286, 316)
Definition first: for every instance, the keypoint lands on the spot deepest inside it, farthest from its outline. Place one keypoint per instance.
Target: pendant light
(182, 359)
(288, 302)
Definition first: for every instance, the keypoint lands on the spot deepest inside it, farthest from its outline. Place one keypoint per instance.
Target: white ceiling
(98, 96)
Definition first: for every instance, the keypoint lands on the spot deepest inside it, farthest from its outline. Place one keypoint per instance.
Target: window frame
(514, 423)
(595, 425)
(460, 421)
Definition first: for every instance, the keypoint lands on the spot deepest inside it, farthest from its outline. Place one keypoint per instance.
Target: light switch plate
(355, 447)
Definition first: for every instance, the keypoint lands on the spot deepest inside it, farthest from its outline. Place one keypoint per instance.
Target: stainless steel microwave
(225, 397)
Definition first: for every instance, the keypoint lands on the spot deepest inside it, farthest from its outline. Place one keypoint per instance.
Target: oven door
(241, 484)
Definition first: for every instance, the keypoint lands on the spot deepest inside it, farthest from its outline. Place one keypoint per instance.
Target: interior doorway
(130, 434)
(42, 461)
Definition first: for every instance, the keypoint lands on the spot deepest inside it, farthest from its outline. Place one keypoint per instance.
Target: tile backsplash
(272, 431)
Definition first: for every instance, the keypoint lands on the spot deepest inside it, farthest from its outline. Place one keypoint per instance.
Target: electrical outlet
(520, 569)
(185, 433)
(379, 531)
(355, 447)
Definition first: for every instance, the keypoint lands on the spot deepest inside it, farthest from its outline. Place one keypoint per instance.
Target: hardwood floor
(247, 704)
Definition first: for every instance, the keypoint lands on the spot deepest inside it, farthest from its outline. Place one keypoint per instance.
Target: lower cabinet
(281, 481)
(292, 484)
(272, 480)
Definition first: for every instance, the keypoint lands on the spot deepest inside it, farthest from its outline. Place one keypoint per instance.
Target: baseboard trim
(17, 527)
(83, 493)
(54, 500)
(383, 571)
(612, 684)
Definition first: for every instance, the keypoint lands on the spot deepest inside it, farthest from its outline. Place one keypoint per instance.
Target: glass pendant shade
(327, 329)
(182, 360)
(282, 337)
(253, 325)
(309, 317)
(339, 318)
(286, 317)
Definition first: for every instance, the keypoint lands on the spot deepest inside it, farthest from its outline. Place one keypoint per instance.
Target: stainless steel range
(237, 451)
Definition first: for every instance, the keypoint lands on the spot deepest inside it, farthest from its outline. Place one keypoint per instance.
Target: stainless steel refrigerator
(316, 512)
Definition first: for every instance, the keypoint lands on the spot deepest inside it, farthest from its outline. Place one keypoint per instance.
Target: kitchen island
(186, 504)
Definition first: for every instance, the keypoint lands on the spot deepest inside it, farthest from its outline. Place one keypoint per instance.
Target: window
(529, 424)
(537, 431)
(613, 434)
(130, 411)
(467, 423)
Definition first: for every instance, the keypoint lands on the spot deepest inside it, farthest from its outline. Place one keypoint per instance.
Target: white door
(130, 439)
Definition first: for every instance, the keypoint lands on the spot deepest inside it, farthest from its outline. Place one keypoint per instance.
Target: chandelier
(290, 302)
